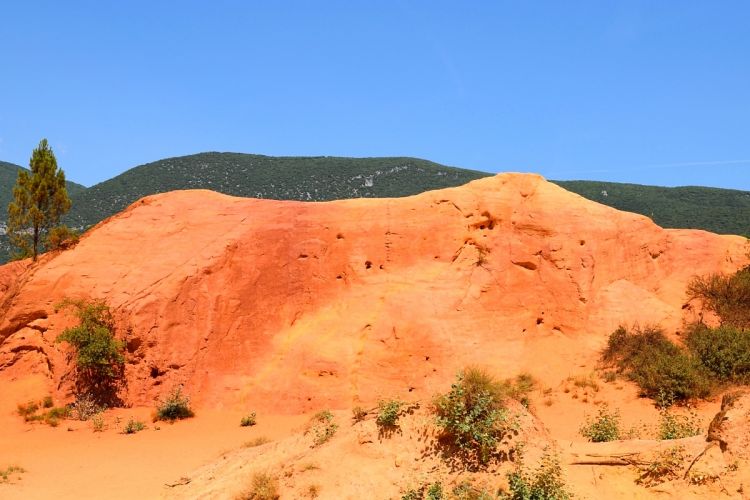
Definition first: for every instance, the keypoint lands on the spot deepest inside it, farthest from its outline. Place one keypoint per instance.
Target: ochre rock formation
(293, 306)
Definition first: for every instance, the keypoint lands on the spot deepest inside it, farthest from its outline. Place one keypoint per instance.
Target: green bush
(658, 366)
(99, 355)
(61, 237)
(175, 407)
(673, 426)
(724, 351)
(726, 295)
(263, 487)
(472, 416)
(388, 413)
(605, 427)
(248, 420)
(544, 483)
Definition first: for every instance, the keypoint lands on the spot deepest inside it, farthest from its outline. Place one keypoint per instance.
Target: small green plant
(323, 427)
(666, 466)
(47, 402)
(61, 237)
(388, 413)
(248, 420)
(466, 490)
(673, 426)
(604, 427)
(435, 491)
(176, 406)
(133, 426)
(471, 415)
(263, 487)
(358, 414)
(546, 482)
(7, 473)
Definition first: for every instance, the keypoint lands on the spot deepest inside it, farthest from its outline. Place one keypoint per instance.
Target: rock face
(293, 306)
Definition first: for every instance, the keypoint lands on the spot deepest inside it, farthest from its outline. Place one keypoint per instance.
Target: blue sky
(647, 92)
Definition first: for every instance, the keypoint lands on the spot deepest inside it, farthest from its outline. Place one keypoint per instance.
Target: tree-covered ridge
(722, 211)
(282, 178)
(323, 178)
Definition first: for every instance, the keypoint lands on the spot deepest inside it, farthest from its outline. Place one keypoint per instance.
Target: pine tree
(39, 200)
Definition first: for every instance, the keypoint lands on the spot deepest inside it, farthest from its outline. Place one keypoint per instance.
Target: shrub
(47, 402)
(388, 413)
(472, 416)
(263, 487)
(85, 407)
(657, 365)
(97, 422)
(358, 414)
(259, 441)
(465, 490)
(544, 483)
(605, 427)
(175, 407)
(728, 296)
(666, 466)
(99, 355)
(248, 420)
(323, 427)
(61, 237)
(133, 426)
(672, 426)
(435, 491)
(28, 410)
(724, 351)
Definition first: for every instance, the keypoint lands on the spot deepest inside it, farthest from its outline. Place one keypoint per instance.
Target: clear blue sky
(647, 92)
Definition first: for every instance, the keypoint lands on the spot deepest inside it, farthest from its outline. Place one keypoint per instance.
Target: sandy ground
(73, 461)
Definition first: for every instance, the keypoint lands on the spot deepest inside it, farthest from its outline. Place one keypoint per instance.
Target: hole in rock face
(302, 256)
(155, 372)
(539, 321)
(381, 266)
(582, 242)
(338, 277)
(368, 264)
(339, 236)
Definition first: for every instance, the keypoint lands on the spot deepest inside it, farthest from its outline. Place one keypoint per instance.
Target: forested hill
(282, 178)
(323, 178)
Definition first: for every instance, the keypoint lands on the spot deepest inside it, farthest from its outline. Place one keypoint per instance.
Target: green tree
(39, 200)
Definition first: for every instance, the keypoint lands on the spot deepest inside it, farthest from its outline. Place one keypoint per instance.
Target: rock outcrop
(294, 306)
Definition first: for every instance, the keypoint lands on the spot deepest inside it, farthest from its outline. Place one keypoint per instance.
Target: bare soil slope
(292, 306)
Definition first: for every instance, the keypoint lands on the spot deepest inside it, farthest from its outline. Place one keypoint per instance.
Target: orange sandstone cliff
(291, 306)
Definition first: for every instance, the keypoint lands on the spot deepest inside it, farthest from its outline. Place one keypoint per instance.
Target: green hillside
(723, 211)
(282, 178)
(327, 178)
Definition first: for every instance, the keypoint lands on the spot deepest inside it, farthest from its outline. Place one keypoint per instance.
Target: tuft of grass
(358, 414)
(47, 402)
(313, 491)
(133, 426)
(85, 407)
(260, 440)
(323, 427)
(97, 422)
(262, 487)
(604, 427)
(248, 420)
(176, 406)
(7, 473)
(27, 410)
